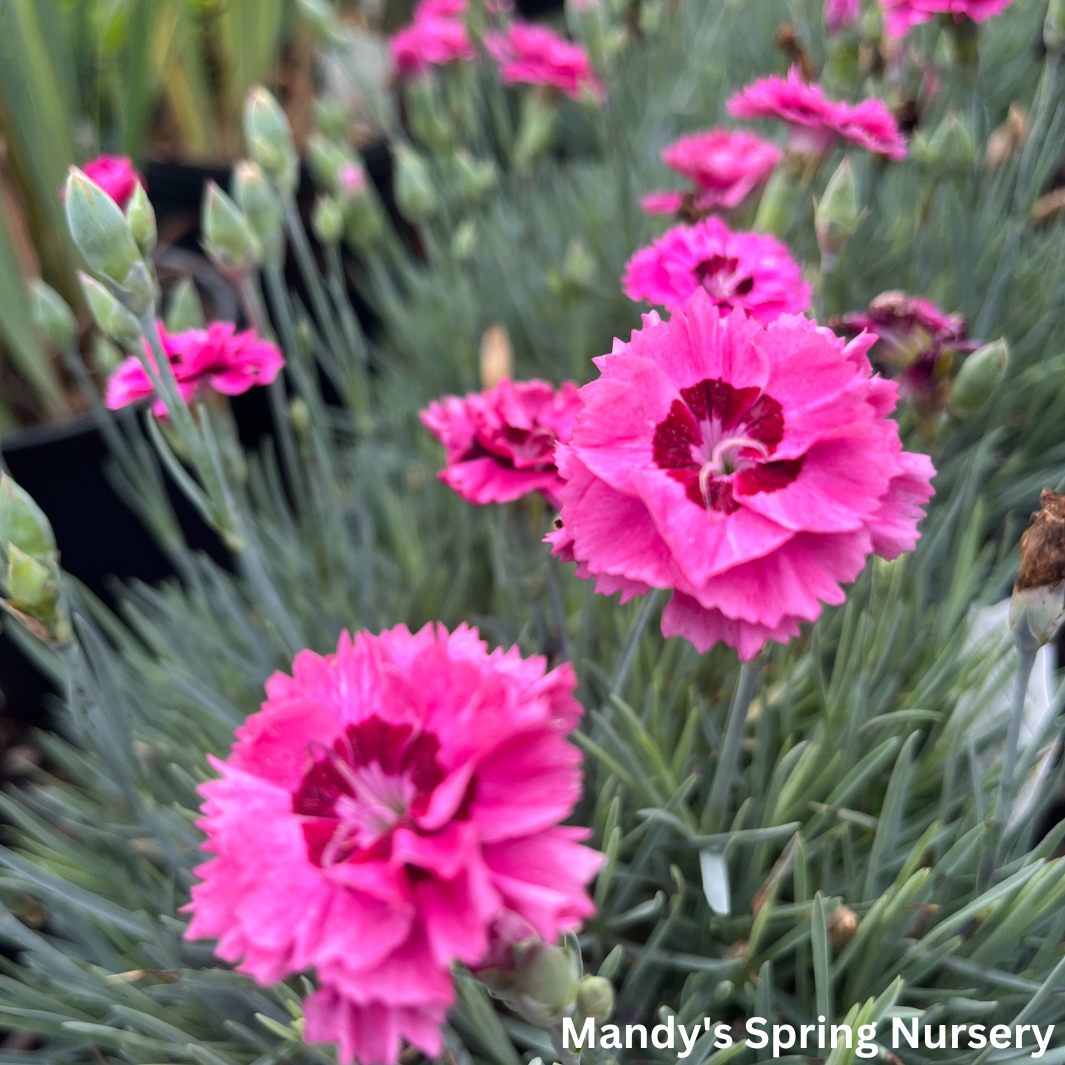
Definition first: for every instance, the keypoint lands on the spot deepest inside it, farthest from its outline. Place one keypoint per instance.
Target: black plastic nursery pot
(63, 466)
(99, 538)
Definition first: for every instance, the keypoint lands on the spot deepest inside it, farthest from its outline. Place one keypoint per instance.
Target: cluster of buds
(335, 169)
(114, 245)
(30, 566)
(544, 985)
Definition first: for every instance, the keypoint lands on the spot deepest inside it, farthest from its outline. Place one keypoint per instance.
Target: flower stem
(354, 368)
(255, 308)
(1004, 802)
(312, 278)
(717, 803)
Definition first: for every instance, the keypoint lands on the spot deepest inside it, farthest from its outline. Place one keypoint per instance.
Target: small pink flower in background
(351, 179)
(539, 56)
(750, 468)
(748, 270)
(394, 808)
(900, 16)
(725, 166)
(218, 357)
(500, 444)
(431, 40)
(815, 121)
(116, 175)
(840, 14)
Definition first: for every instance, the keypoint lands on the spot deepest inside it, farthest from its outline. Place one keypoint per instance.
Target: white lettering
(756, 1027)
(570, 1032)
(1043, 1041)
(898, 1027)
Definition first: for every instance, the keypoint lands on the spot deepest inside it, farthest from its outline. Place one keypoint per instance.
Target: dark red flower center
(723, 278)
(521, 449)
(717, 439)
(368, 783)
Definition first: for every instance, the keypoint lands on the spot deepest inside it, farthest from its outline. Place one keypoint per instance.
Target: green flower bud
(112, 318)
(950, 145)
(269, 138)
(595, 997)
(545, 974)
(22, 522)
(99, 229)
(51, 315)
(327, 221)
(415, 195)
(325, 158)
(185, 310)
(578, 266)
(228, 237)
(474, 178)
(837, 216)
(539, 112)
(1054, 27)
(139, 289)
(427, 120)
(364, 221)
(262, 208)
(778, 198)
(465, 239)
(141, 217)
(332, 118)
(980, 374)
(32, 586)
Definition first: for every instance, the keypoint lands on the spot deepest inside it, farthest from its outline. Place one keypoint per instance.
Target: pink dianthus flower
(750, 468)
(900, 16)
(725, 166)
(116, 175)
(539, 56)
(748, 270)
(432, 39)
(219, 357)
(500, 444)
(816, 121)
(392, 810)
